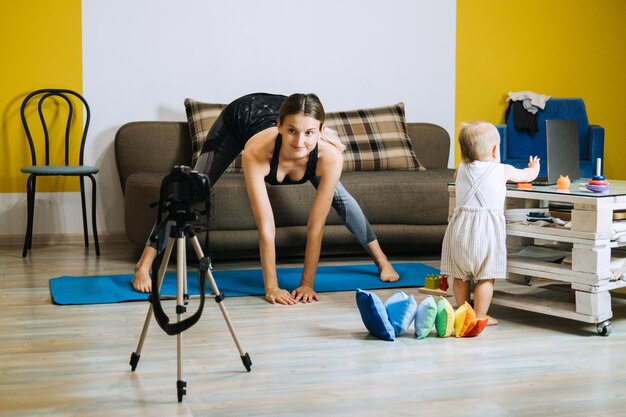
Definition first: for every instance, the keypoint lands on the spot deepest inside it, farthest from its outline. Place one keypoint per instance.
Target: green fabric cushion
(444, 323)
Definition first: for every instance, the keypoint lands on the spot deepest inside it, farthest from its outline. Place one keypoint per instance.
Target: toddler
(474, 249)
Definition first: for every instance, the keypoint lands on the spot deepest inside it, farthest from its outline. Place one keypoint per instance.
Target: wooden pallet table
(588, 241)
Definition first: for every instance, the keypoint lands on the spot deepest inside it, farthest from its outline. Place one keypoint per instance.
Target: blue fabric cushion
(425, 317)
(401, 310)
(374, 315)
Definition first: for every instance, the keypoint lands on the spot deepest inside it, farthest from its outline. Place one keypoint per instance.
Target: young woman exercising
(281, 138)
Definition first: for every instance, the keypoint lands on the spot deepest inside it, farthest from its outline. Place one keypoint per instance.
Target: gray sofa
(408, 210)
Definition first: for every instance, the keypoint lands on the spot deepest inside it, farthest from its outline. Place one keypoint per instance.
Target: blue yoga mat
(104, 289)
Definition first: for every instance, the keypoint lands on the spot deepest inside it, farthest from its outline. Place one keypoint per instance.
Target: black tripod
(179, 232)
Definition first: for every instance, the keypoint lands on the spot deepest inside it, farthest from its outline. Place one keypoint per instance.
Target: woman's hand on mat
(280, 296)
(305, 294)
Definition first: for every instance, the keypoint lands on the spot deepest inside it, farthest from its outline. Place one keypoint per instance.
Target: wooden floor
(308, 360)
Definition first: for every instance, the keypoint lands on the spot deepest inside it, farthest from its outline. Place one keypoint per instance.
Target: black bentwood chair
(58, 102)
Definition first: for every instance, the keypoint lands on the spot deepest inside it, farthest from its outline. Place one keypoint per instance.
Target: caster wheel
(604, 329)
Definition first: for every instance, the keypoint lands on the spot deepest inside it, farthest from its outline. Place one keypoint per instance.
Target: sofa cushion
(376, 139)
(200, 117)
(291, 205)
(400, 197)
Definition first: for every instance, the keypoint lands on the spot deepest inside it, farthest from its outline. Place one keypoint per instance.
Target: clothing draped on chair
(73, 159)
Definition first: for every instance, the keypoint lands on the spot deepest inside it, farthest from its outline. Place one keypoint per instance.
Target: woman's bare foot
(491, 321)
(141, 281)
(385, 270)
(387, 273)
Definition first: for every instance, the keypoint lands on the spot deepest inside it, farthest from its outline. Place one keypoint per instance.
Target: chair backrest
(521, 144)
(64, 98)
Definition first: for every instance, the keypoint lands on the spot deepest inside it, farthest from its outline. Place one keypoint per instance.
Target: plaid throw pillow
(375, 138)
(200, 117)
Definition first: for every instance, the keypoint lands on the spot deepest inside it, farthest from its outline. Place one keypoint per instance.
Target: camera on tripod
(182, 185)
(181, 189)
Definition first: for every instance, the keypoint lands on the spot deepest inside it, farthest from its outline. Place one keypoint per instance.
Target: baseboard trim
(69, 238)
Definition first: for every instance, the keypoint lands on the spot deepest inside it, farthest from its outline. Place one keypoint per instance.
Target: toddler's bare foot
(491, 321)
(141, 281)
(387, 273)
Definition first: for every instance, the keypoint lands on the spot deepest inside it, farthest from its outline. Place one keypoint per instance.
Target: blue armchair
(516, 147)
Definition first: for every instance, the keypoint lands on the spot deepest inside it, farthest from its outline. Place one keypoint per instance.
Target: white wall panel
(142, 58)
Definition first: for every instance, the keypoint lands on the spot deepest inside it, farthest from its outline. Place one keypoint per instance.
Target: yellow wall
(562, 48)
(40, 46)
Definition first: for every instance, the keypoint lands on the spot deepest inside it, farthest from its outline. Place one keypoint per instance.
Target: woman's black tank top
(308, 174)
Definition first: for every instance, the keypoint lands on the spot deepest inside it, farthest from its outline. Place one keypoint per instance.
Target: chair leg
(30, 211)
(93, 214)
(83, 205)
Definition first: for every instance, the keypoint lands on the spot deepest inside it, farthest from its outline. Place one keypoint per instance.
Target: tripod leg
(134, 357)
(181, 286)
(245, 358)
(185, 290)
